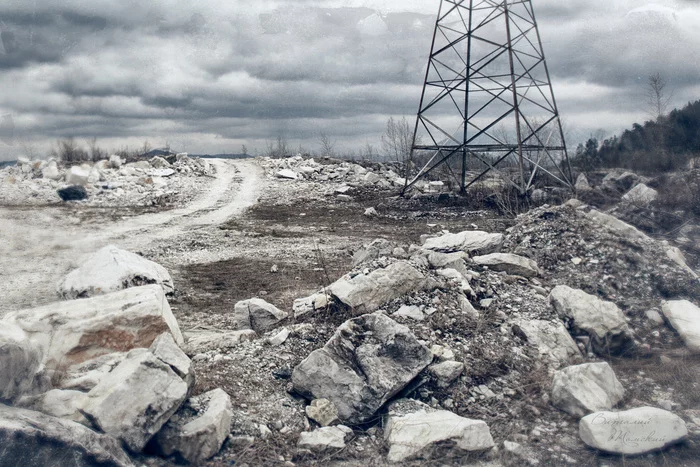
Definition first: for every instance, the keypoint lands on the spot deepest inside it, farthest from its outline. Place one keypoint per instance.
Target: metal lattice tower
(487, 98)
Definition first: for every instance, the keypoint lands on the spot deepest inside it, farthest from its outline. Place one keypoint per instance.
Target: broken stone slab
(582, 183)
(368, 360)
(257, 314)
(445, 373)
(287, 174)
(61, 403)
(85, 376)
(415, 429)
(366, 293)
(75, 331)
(641, 194)
(32, 438)
(410, 311)
(199, 341)
(199, 428)
(509, 263)
(51, 171)
(590, 387)
(458, 278)
(684, 318)
(446, 260)
(470, 241)
(135, 400)
(20, 359)
(279, 338)
(167, 351)
(616, 225)
(323, 412)
(632, 432)
(676, 255)
(111, 269)
(373, 250)
(325, 438)
(551, 339)
(603, 321)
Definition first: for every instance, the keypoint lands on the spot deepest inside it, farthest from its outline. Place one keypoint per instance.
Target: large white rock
(581, 389)
(324, 439)
(366, 293)
(29, 438)
(19, 361)
(287, 174)
(257, 314)
(676, 255)
(74, 331)
(470, 241)
(199, 341)
(603, 321)
(115, 161)
(641, 195)
(412, 429)
(631, 432)
(616, 225)
(136, 399)
(509, 263)
(582, 183)
(445, 373)
(77, 175)
(59, 403)
(368, 360)
(51, 171)
(197, 431)
(167, 351)
(684, 318)
(551, 339)
(86, 375)
(111, 269)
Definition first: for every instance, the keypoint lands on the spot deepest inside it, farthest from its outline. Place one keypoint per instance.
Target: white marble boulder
(412, 429)
(111, 269)
(581, 389)
(632, 432)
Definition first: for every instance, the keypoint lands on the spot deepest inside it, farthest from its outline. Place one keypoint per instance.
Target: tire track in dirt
(38, 246)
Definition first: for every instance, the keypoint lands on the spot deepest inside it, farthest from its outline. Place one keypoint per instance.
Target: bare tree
(244, 149)
(327, 146)
(96, 153)
(369, 152)
(657, 96)
(398, 139)
(278, 150)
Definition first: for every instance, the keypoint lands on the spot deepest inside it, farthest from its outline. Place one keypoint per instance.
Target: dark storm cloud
(245, 72)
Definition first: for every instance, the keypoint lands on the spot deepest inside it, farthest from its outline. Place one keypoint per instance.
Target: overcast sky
(211, 76)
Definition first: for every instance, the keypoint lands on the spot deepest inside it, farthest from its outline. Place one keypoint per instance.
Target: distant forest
(657, 146)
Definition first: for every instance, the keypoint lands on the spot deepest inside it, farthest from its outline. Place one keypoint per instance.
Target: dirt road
(38, 246)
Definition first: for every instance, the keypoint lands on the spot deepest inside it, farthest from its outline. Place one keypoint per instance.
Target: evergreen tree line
(666, 144)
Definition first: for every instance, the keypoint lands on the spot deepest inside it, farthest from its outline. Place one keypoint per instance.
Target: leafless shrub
(69, 152)
(278, 148)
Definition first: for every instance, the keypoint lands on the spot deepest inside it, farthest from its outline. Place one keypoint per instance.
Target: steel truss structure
(488, 99)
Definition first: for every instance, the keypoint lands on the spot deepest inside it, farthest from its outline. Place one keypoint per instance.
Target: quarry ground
(222, 247)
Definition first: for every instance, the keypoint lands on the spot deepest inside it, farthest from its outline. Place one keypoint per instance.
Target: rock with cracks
(79, 330)
(631, 432)
(111, 269)
(257, 314)
(414, 429)
(30, 438)
(551, 339)
(602, 321)
(167, 351)
(197, 431)
(509, 263)
(324, 439)
(19, 361)
(366, 293)
(470, 241)
(368, 360)
(581, 389)
(684, 318)
(136, 399)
